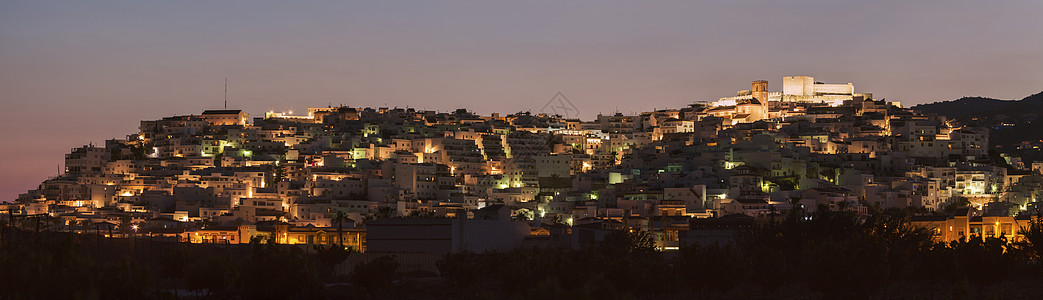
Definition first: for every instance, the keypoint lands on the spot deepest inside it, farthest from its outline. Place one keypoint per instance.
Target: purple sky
(73, 72)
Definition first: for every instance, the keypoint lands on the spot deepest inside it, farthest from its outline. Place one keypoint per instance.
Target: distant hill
(968, 108)
(1012, 122)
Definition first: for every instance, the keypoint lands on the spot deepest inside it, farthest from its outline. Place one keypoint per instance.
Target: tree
(172, 265)
(332, 255)
(524, 214)
(239, 230)
(125, 220)
(421, 214)
(1034, 237)
(210, 274)
(955, 203)
(274, 271)
(628, 242)
(385, 212)
(340, 227)
(375, 274)
(279, 173)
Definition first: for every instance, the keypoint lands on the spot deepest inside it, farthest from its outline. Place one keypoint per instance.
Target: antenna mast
(226, 92)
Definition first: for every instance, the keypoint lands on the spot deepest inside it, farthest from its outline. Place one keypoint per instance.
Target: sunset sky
(75, 72)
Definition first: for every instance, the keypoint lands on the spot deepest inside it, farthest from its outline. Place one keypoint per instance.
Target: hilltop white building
(798, 88)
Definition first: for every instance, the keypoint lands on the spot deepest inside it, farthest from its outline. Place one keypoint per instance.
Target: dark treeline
(828, 255)
(831, 255)
(58, 265)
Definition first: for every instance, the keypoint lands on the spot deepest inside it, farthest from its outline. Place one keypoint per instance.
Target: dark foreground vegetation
(830, 255)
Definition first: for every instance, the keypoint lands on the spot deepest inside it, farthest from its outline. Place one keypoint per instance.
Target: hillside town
(408, 180)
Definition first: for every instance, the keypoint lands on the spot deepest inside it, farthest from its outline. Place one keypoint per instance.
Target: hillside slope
(1015, 125)
(968, 108)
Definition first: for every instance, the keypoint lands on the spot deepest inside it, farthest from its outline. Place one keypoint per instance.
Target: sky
(77, 72)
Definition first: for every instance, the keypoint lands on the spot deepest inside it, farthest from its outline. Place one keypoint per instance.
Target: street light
(134, 238)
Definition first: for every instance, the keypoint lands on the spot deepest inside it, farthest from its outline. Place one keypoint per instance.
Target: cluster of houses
(407, 180)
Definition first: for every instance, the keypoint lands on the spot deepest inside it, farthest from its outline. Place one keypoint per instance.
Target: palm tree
(58, 224)
(340, 227)
(125, 223)
(278, 174)
(384, 212)
(238, 230)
